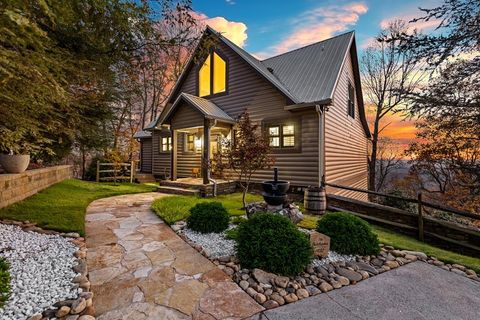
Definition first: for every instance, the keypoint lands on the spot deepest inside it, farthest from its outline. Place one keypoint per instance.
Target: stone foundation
(18, 186)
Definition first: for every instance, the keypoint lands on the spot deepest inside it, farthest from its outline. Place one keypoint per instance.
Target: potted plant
(14, 157)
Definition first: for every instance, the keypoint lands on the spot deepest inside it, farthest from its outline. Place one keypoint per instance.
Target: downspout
(320, 109)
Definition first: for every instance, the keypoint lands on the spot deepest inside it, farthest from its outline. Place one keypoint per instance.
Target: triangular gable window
(212, 76)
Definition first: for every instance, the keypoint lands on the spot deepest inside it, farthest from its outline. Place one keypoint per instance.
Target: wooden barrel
(315, 200)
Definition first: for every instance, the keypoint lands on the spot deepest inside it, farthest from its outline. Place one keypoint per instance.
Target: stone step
(145, 178)
(176, 190)
(182, 185)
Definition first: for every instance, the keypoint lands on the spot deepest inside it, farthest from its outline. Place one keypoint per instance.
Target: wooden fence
(116, 171)
(420, 223)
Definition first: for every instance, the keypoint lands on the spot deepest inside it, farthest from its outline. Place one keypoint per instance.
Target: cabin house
(308, 101)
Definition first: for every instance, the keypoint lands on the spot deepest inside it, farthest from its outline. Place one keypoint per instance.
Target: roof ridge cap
(308, 45)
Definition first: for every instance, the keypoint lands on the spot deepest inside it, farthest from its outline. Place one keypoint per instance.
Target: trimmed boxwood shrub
(273, 243)
(208, 217)
(349, 234)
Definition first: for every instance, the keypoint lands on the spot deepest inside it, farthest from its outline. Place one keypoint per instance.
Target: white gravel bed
(214, 244)
(332, 257)
(40, 270)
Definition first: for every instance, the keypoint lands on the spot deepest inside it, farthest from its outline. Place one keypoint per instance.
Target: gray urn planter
(16, 163)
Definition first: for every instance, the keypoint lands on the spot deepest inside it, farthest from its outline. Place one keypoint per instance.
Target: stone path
(414, 291)
(140, 269)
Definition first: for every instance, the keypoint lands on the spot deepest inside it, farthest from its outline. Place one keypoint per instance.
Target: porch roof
(209, 109)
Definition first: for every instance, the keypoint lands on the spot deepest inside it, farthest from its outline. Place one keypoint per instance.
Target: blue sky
(266, 28)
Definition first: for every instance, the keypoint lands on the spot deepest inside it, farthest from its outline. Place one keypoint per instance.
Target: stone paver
(414, 291)
(140, 269)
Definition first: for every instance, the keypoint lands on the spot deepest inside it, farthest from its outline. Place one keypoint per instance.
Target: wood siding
(146, 155)
(248, 90)
(345, 141)
(186, 161)
(186, 117)
(161, 160)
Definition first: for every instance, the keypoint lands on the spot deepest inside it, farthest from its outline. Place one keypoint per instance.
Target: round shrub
(349, 234)
(273, 243)
(208, 217)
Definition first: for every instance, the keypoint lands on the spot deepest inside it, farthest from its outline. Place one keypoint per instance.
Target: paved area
(414, 291)
(140, 269)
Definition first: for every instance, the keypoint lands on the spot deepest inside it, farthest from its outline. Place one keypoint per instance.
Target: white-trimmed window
(282, 135)
(166, 144)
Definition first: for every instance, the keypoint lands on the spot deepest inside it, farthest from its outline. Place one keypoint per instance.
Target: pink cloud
(318, 24)
(419, 25)
(234, 31)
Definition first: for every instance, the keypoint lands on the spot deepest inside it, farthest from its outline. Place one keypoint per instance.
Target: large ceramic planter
(16, 163)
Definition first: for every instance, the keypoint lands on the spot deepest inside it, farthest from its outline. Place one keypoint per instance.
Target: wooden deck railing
(419, 201)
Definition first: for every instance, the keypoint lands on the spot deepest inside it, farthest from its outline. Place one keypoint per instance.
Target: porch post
(206, 152)
(321, 144)
(173, 155)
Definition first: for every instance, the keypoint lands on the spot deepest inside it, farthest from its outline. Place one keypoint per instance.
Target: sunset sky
(268, 28)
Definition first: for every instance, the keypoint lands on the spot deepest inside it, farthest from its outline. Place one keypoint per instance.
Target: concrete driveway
(414, 291)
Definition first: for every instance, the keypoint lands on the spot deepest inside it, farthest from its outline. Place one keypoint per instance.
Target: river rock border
(81, 308)
(271, 290)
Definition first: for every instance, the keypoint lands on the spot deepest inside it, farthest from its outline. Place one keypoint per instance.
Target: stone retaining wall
(18, 186)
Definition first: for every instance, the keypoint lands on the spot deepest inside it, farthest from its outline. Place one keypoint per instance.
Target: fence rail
(127, 171)
(419, 220)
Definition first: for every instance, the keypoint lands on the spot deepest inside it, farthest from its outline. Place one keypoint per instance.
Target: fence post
(420, 217)
(98, 171)
(132, 168)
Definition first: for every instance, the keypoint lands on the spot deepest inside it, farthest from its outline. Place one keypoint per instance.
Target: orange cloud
(234, 31)
(318, 24)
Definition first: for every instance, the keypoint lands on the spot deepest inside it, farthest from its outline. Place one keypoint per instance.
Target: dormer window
(212, 76)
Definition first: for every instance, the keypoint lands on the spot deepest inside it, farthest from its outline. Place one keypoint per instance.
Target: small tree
(247, 152)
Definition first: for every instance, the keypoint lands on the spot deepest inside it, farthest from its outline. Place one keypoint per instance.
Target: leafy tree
(246, 154)
(61, 60)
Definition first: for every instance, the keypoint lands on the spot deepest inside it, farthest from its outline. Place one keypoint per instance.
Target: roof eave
(307, 105)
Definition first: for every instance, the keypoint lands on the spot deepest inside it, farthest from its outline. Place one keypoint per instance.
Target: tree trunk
(83, 164)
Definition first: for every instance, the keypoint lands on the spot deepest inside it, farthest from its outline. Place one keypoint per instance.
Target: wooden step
(177, 190)
(179, 184)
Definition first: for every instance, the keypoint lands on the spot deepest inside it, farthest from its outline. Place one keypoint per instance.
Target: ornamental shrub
(208, 217)
(273, 243)
(348, 234)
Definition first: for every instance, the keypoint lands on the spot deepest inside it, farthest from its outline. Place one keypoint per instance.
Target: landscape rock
(78, 306)
(351, 275)
(281, 281)
(302, 293)
(263, 276)
(270, 304)
(325, 287)
(320, 244)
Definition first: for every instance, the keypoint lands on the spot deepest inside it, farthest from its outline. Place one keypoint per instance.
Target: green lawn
(62, 206)
(175, 208)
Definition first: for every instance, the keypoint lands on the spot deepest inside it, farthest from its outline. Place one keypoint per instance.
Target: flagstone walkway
(140, 269)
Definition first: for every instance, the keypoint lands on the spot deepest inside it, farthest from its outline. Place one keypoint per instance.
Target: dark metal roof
(209, 109)
(310, 73)
(142, 134)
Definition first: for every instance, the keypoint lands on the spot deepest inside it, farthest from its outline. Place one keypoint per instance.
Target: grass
(404, 242)
(62, 206)
(176, 208)
(4, 282)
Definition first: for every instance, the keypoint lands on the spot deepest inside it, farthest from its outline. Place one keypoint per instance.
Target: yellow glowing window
(166, 144)
(219, 74)
(212, 76)
(204, 78)
(282, 136)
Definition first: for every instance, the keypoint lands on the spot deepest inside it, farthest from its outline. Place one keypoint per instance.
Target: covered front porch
(198, 129)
